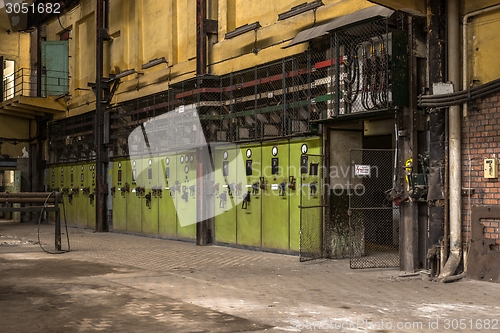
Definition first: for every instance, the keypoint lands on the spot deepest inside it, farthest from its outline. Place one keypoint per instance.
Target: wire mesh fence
(373, 218)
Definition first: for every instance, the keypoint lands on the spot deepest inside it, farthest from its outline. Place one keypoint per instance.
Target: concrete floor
(123, 283)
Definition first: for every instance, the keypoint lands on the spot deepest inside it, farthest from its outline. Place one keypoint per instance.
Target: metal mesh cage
(359, 71)
(72, 139)
(373, 218)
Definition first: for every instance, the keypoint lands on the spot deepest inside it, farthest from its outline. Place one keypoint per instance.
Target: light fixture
(155, 62)
(243, 29)
(123, 74)
(306, 6)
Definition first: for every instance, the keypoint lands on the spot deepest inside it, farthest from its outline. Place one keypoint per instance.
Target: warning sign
(362, 170)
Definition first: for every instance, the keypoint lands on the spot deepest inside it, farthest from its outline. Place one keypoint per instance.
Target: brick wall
(480, 140)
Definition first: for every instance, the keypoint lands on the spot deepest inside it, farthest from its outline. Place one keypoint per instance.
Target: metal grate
(311, 207)
(373, 219)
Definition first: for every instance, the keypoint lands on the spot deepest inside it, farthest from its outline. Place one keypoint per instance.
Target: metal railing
(20, 83)
(23, 82)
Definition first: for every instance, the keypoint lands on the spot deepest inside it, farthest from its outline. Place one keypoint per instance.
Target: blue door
(55, 76)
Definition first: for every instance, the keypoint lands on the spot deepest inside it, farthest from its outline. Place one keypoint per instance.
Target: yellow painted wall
(15, 128)
(468, 6)
(483, 41)
(149, 29)
(13, 46)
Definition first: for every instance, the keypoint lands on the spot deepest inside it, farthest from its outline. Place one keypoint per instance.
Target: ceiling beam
(35, 108)
(21, 110)
(16, 114)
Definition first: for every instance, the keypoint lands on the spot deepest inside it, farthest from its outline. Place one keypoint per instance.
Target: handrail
(24, 82)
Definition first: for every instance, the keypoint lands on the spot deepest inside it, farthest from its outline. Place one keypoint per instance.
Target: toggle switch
(139, 190)
(246, 200)
(125, 188)
(263, 184)
(185, 194)
(239, 188)
(230, 190)
(314, 187)
(292, 183)
(222, 199)
(255, 188)
(282, 188)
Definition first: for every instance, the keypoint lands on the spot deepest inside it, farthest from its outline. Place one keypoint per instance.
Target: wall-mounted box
(490, 168)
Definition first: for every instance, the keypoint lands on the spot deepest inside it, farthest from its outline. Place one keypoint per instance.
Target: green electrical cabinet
(81, 197)
(275, 203)
(53, 185)
(92, 196)
(70, 203)
(186, 198)
(119, 195)
(249, 214)
(133, 198)
(149, 181)
(64, 188)
(167, 215)
(227, 189)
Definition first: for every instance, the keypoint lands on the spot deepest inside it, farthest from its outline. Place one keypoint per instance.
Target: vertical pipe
(202, 169)
(283, 84)
(100, 202)
(454, 162)
(57, 233)
(201, 44)
(1, 79)
(337, 75)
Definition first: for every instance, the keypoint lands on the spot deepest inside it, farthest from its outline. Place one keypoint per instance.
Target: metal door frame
(307, 253)
(364, 254)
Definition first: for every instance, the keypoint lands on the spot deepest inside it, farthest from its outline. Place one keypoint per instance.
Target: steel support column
(101, 223)
(203, 166)
(408, 123)
(436, 193)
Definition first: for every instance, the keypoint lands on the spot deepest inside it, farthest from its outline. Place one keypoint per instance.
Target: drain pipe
(454, 119)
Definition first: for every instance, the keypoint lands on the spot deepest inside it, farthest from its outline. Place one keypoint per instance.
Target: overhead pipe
(454, 121)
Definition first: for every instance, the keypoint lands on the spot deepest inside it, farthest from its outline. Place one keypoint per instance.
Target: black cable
(462, 93)
(65, 224)
(459, 97)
